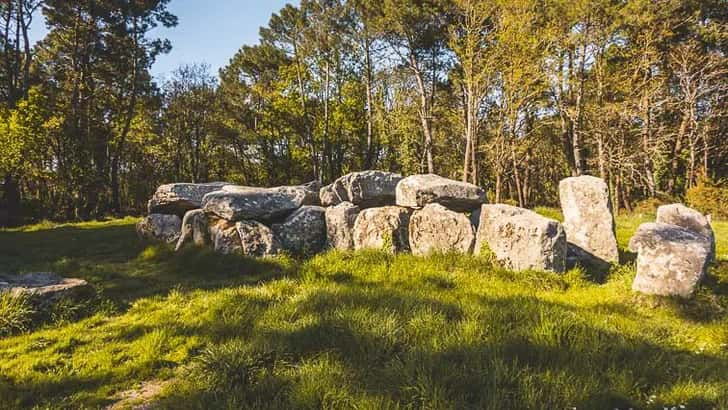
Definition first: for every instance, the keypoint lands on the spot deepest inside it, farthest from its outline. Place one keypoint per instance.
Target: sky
(208, 31)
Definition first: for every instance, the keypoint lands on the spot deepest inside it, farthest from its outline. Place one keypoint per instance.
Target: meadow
(360, 330)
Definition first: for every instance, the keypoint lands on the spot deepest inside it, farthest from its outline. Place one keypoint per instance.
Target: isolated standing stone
(225, 237)
(303, 232)
(671, 260)
(160, 227)
(521, 239)
(340, 221)
(263, 204)
(384, 228)
(435, 228)
(688, 218)
(179, 198)
(588, 219)
(195, 227)
(417, 191)
(257, 239)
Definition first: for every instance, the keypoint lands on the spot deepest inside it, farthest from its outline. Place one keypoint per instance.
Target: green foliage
(358, 329)
(16, 313)
(709, 199)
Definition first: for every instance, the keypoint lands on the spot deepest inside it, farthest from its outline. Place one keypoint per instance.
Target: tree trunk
(424, 115)
(11, 190)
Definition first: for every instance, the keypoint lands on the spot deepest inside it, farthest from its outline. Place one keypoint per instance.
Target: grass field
(355, 330)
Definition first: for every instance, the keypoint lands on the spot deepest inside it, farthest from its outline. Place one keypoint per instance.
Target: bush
(16, 313)
(709, 199)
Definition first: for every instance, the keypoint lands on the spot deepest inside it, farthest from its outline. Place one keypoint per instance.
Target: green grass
(357, 330)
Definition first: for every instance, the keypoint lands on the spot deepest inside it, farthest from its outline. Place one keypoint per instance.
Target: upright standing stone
(688, 218)
(384, 228)
(588, 219)
(303, 232)
(521, 239)
(257, 239)
(160, 227)
(671, 260)
(435, 228)
(340, 221)
(416, 191)
(195, 227)
(225, 237)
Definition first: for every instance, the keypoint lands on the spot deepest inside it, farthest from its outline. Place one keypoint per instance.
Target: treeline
(512, 95)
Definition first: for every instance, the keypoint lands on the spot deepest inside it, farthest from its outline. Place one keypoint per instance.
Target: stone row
(423, 214)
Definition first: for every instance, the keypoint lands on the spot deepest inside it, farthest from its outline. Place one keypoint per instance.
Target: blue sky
(209, 31)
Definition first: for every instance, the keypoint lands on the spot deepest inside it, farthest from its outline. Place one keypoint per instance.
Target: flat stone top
(38, 283)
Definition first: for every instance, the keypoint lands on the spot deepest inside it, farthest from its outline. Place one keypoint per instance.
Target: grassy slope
(362, 330)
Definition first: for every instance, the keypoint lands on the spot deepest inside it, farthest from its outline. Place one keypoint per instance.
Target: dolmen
(673, 253)
(421, 214)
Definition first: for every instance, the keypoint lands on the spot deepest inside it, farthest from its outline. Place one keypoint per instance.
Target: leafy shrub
(709, 199)
(16, 313)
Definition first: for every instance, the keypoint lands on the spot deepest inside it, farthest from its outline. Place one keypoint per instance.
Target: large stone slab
(303, 232)
(416, 191)
(160, 227)
(44, 288)
(225, 237)
(340, 221)
(257, 239)
(366, 189)
(237, 203)
(384, 228)
(520, 239)
(435, 228)
(195, 228)
(671, 260)
(688, 218)
(179, 198)
(588, 220)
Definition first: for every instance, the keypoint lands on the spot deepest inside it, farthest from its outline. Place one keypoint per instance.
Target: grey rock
(588, 220)
(366, 189)
(303, 232)
(416, 191)
(179, 198)
(160, 227)
(257, 239)
(435, 228)
(671, 260)
(262, 204)
(44, 288)
(385, 228)
(225, 237)
(340, 221)
(688, 218)
(194, 227)
(521, 239)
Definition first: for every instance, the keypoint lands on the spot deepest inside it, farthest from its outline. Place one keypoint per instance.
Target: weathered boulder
(588, 220)
(688, 218)
(236, 203)
(417, 191)
(194, 227)
(671, 260)
(160, 227)
(366, 189)
(257, 239)
(383, 228)
(303, 232)
(340, 221)
(225, 237)
(179, 198)
(435, 228)
(520, 239)
(44, 288)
